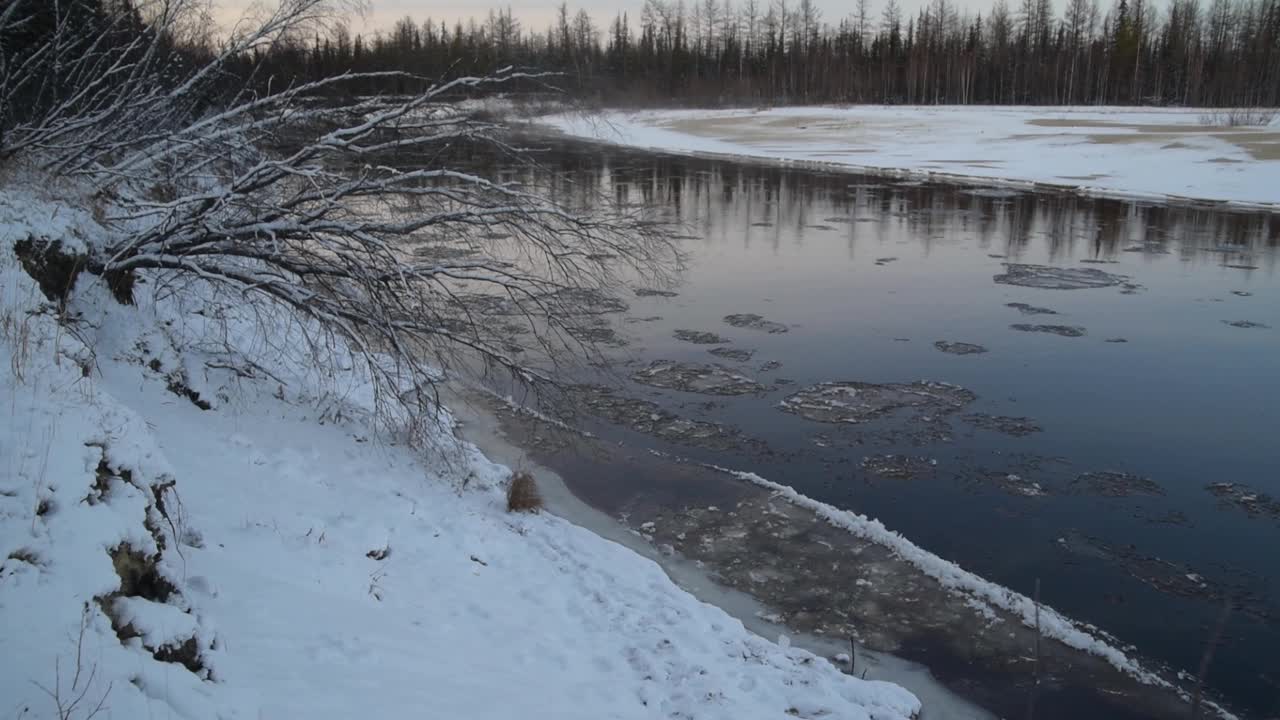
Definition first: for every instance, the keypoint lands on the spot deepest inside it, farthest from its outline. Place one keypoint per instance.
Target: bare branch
(350, 223)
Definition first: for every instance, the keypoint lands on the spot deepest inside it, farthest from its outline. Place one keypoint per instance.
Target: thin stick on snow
(68, 704)
(1207, 657)
(1035, 683)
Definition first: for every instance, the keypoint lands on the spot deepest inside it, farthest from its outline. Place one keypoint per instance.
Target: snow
(315, 562)
(980, 594)
(1110, 151)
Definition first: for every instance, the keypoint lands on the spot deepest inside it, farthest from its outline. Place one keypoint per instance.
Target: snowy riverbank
(479, 425)
(1128, 152)
(833, 573)
(201, 522)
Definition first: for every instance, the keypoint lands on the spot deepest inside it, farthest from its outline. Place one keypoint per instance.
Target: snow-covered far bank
(198, 521)
(1125, 152)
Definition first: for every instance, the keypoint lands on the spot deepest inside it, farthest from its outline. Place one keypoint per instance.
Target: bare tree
(861, 14)
(1076, 22)
(352, 224)
(751, 16)
(1222, 54)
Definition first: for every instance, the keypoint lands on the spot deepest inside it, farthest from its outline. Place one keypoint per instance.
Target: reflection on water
(1119, 443)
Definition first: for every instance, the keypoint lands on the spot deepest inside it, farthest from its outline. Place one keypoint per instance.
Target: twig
(65, 707)
(1035, 684)
(1207, 657)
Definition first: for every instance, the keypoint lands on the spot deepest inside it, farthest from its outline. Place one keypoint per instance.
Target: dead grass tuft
(522, 494)
(1239, 117)
(17, 332)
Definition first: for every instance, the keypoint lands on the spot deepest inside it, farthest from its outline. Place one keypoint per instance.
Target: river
(1100, 391)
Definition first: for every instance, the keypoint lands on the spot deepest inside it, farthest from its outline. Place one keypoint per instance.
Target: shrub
(1239, 117)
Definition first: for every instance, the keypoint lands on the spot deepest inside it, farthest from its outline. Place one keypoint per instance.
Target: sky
(538, 14)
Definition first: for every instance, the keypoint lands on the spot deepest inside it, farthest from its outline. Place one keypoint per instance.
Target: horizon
(539, 16)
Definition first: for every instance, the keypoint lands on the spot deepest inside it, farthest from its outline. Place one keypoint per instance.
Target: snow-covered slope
(275, 555)
(1127, 152)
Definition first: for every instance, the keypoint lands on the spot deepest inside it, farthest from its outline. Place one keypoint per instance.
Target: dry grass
(1239, 117)
(522, 494)
(69, 703)
(16, 331)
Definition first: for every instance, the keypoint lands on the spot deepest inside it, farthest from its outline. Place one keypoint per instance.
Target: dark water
(1186, 401)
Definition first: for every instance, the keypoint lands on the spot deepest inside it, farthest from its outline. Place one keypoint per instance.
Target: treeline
(63, 61)
(1225, 53)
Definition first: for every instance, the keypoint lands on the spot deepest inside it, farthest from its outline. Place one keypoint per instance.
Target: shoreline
(483, 429)
(559, 126)
(783, 567)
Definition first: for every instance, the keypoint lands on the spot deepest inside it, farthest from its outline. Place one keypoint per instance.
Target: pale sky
(538, 14)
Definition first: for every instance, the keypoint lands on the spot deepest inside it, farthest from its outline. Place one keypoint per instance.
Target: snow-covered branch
(337, 211)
